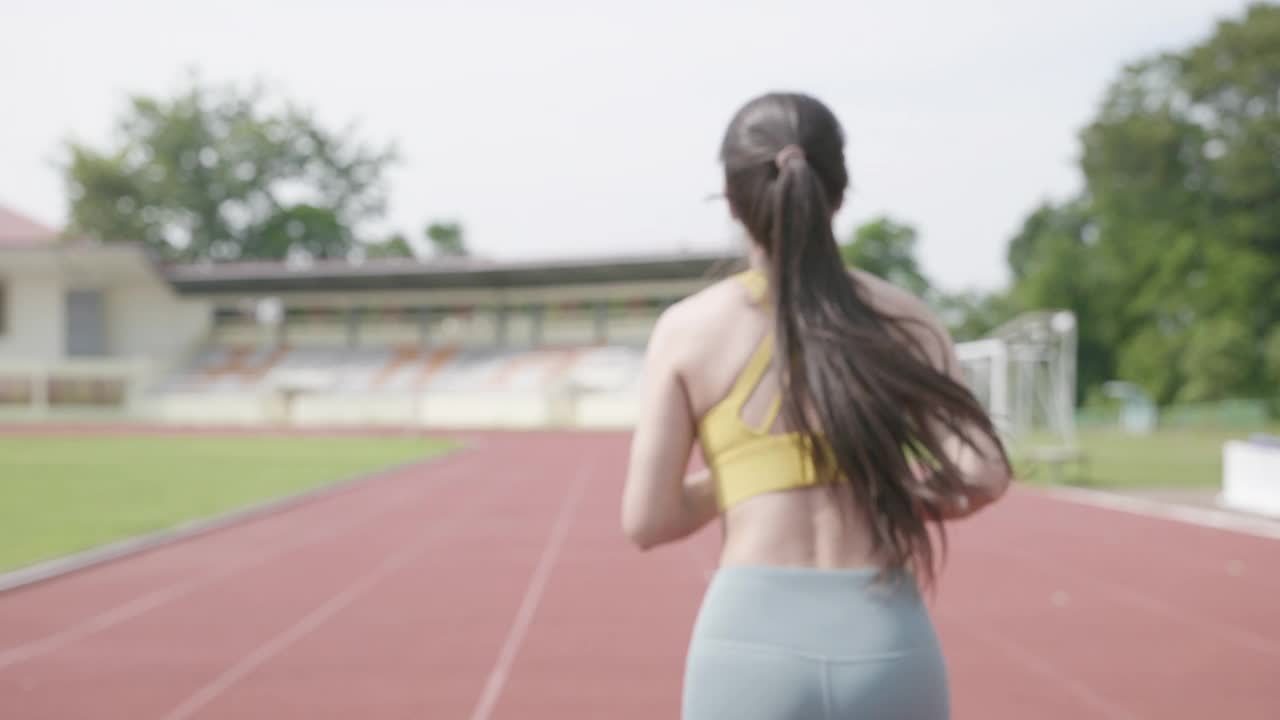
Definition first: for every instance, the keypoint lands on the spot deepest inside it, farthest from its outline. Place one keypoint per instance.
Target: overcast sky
(559, 127)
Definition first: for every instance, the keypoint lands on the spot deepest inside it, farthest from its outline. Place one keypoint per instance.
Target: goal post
(985, 365)
(1024, 374)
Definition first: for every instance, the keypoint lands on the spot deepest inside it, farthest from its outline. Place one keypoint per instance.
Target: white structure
(1251, 476)
(83, 324)
(87, 328)
(1024, 373)
(93, 328)
(985, 364)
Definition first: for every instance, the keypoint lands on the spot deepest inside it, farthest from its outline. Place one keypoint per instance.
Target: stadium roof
(17, 230)
(23, 234)
(454, 273)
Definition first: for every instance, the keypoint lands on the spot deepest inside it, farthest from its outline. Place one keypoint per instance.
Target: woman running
(838, 437)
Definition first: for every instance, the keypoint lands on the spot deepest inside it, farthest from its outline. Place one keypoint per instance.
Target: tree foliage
(1056, 261)
(220, 173)
(1171, 255)
(447, 239)
(887, 248)
(970, 315)
(393, 247)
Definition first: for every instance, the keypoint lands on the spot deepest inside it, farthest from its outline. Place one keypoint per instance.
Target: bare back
(812, 526)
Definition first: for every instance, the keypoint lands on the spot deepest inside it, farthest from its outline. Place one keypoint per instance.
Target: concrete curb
(24, 577)
(1204, 517)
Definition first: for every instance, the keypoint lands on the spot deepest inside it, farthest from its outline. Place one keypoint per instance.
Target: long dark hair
(848, 373)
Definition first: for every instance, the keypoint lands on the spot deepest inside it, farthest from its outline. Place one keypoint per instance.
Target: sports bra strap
(775, 409)
(755, 282)
(751, 375)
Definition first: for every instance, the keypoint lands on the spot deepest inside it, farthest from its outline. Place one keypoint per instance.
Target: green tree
(221, 173)
(1056, 264)
(971, 315)
(887, 248)
(393, 247)
(447, 239)
(1171, 256)
(1219, 353)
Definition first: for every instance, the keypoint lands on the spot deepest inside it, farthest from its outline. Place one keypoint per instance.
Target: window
(86, 324)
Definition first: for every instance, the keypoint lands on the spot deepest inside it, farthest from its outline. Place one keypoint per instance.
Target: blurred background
(441, 216)
(306, 214)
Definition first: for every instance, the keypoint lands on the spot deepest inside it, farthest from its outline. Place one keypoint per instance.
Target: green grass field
(59, 495)
(63, 494)
(1167, 459)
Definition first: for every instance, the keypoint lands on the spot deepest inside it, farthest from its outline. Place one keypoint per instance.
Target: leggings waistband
(826, 613)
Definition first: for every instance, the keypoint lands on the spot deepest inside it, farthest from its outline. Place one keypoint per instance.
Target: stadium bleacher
(431, 342)
(400, 370)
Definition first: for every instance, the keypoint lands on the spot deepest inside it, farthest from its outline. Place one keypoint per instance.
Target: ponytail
(862, 392)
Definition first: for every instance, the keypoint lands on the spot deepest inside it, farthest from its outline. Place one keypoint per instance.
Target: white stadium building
(102, 331)
(94, 330)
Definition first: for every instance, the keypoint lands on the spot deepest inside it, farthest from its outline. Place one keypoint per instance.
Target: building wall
(142, 317)
(34, 322)
(146, 320)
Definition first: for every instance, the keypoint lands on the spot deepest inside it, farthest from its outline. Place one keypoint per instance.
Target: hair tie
(787, 154)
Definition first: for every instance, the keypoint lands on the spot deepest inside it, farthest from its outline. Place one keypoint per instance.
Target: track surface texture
(495, 584)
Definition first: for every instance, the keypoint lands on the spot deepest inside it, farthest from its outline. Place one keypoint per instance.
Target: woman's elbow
(640, 531)
(990, 487)
(999, 480)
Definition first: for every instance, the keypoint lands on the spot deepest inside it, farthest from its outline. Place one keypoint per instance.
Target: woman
(838, 436)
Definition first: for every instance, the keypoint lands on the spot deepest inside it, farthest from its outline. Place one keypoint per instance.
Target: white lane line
(1198, 558)
(1134, 597)
(314, 619)
(1204, 517)
(156, 598)
(532, 597)
(1038, 665)
(129, 547)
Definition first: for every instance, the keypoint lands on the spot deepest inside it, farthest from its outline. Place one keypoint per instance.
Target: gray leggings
(774, 643)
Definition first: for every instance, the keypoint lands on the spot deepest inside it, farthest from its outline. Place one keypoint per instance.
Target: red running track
(494, 584)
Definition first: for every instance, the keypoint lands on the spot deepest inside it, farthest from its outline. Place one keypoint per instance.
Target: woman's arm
(986, 476)
(659, 503)
(700, 497)
(986, 473)
(985, 482)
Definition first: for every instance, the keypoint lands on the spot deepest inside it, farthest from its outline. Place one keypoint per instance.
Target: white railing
(39, 383)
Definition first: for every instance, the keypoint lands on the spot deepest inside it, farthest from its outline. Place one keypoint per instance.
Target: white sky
(562, 127)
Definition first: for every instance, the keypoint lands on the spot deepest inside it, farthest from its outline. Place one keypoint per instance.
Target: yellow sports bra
(747, 461)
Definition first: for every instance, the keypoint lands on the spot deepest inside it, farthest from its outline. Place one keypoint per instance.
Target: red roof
(19, 230)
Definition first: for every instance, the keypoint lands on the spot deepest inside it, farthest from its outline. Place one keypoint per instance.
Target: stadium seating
(398, 370)
(441, 386)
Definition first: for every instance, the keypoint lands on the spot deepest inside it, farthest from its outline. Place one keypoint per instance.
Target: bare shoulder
(694, 312)
(889, 298)
(691, 323)
(919, 319)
